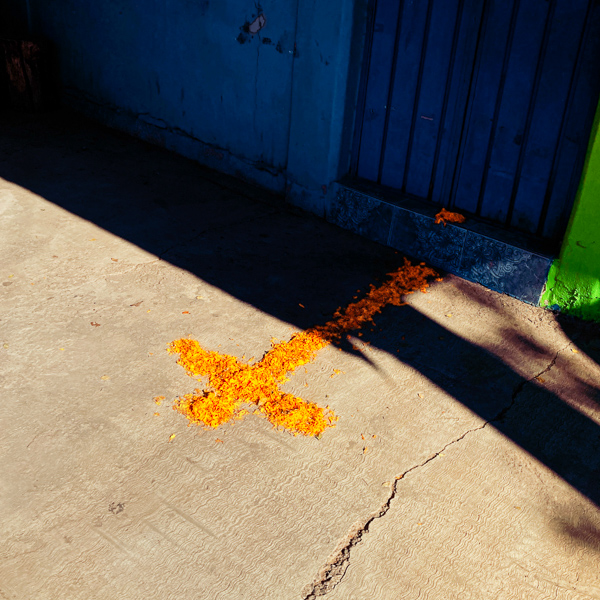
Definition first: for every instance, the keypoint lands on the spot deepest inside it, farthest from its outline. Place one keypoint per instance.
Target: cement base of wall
(475, 251)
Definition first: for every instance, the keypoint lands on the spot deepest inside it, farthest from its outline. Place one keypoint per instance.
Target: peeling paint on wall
(259, 23)
(251, 28)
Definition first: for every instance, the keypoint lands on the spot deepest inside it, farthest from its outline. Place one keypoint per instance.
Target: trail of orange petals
(233, 383)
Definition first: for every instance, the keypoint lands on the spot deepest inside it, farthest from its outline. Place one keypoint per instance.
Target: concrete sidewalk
(465, 462)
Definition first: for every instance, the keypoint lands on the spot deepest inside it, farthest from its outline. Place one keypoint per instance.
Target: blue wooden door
(484, 107)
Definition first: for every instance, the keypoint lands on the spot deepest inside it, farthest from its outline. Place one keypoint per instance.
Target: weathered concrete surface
(452, 473)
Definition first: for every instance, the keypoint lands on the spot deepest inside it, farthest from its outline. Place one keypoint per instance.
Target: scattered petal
(136, 303)
(218, 440)
(94, 324)
(105, 377)
(172, 436)
(157, 414)
(185, 312)
(300, 305)
(421, 395)
(115, 259)
(445, 216)
(574, 350)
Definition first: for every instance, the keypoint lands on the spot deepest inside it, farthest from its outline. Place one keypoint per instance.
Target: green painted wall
(574, 278)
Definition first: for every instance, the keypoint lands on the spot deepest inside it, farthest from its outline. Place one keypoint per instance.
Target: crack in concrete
(521, 386)
(332, 573)
(334, 569)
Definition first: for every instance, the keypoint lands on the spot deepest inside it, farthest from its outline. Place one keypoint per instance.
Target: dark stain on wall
(244, 35)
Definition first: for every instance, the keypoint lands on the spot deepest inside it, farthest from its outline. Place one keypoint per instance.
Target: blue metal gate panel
(482, 106)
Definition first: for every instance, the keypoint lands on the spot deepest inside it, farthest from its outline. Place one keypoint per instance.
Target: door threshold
(501, 260)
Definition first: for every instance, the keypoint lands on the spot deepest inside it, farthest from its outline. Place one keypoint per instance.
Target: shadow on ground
(299, 269)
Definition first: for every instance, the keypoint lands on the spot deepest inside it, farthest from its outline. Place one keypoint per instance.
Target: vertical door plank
(478, 127)
(460, 77)
(549, 111)
(483, 106)
(509, 131)
(405, 82)
(575, 137)
(380, 67)
(430, 103)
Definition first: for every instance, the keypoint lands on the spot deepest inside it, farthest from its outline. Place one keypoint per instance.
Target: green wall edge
(573, 284)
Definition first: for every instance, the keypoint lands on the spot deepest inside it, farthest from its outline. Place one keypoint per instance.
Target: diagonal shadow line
(280, 262)
(535, 418)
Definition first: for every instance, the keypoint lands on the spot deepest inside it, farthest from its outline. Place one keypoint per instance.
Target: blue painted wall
(275, 107)
(330, 40)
